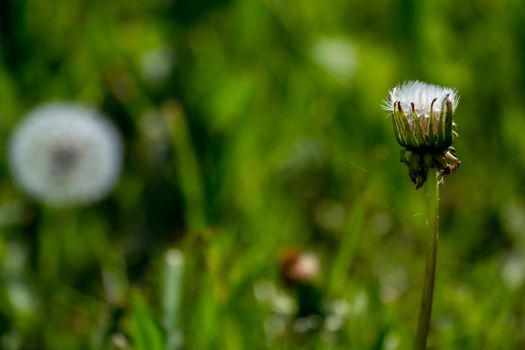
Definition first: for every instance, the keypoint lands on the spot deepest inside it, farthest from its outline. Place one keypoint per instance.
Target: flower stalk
(432, 226)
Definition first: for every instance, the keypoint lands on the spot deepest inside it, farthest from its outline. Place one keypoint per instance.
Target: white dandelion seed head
(421, 95)
(422, 117)
(65, 154)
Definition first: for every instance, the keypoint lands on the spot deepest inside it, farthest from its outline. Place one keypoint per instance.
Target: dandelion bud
(422, 116)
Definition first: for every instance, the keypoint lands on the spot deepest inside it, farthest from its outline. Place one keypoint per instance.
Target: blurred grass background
(252, 127)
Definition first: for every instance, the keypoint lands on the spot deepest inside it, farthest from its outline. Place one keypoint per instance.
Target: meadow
(254, 138)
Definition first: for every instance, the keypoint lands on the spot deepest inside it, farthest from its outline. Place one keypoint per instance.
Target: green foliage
(252, 127)
(145, 333)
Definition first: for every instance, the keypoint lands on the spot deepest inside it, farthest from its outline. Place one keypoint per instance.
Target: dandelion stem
(425, 311)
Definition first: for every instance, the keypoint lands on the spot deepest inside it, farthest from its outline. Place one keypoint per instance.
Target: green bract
(432, 134)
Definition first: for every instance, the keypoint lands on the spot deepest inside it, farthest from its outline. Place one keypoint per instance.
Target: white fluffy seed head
(65, 154)
(421, 95)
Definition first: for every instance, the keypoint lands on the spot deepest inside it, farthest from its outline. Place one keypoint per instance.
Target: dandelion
(422, 116)
(65, 154)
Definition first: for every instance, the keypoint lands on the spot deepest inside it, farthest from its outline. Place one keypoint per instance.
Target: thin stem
(425, 311)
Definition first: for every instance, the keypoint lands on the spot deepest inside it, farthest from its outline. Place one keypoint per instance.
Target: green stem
(425, 311)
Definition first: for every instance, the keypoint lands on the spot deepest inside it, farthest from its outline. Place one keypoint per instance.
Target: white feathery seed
(65, 154)
(421, 95)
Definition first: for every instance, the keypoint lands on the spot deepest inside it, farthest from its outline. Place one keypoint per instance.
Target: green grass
(256, 141)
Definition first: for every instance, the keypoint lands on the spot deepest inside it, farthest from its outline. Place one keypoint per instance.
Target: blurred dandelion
(65, 154)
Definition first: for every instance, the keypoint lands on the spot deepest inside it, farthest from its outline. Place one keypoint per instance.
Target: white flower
(66, 154)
